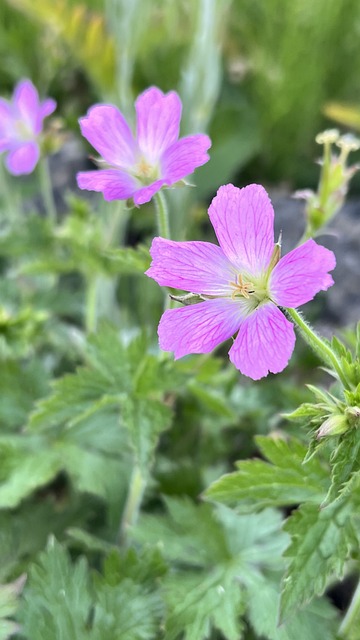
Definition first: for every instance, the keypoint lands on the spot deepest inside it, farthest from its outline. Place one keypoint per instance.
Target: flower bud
(333, 426)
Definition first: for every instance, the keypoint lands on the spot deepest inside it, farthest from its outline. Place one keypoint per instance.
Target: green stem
(351, 620)
(91, 304)
(162, 215)
(133, 503)
(318, 345)
(47, 190)
(9, 205)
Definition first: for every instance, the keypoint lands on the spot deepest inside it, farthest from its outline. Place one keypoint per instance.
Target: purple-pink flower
(139, 166)
(21, 123)
(242, 283)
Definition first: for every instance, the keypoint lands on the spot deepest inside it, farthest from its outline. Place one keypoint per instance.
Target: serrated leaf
(54, 586)
(345, 462)
(127, 611)
(145, 420)
(321, 542)
(31, 471)
(199, 604)
(284, 482)
(9, 603)
(317, 621)
(215, 553)
(306, 410)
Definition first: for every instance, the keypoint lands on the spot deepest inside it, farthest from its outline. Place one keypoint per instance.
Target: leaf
(214, 553)
(145, 420)
(30, 470)
(8, 606)
(287, 481)
(199, 604)
(55, 586)
(345, 463)
(321, 542)
(127, 611)
(317, 621)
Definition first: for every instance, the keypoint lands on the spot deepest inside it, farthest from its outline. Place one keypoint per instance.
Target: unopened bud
(353, 416)
(333, 426)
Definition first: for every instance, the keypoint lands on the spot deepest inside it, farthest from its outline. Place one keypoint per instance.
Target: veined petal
(301, 274)
(26, 101)
(114, 184)
(198, 267)
(199, 328)
(144, 194)
(158, 122)
(106, 129)
(23, 159)
(264, 343)
(184, 156)
(243, 220)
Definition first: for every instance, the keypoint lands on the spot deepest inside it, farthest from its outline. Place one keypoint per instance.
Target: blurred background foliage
(257, 74)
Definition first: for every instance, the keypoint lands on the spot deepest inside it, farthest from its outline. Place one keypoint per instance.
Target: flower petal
(144, 194)
(184, 156)
(47, 107)
(199, 267)
(114, 184)
(158, 121)
(23, 159)
(6, 119)
(199, 328)
(301, 274)
(264, 343)
(106, 129)
(243, 220)
(26, 101)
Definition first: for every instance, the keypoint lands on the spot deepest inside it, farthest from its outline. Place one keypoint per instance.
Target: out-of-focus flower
(139, 166)
(242, 283)
(21, 123)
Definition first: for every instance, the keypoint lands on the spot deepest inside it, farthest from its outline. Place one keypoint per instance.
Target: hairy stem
(46, 189)
(133, 504)
(351, 620)
(162, 215)
(318, 345)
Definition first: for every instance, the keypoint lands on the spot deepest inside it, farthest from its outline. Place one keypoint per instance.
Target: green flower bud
(333, 426)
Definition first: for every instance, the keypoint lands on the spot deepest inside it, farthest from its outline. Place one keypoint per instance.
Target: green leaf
(317, 621)
(61, 591)
(145, 420)
(8, 606)
(30, 471)
(321, 542)
(127, 611)
(345, 463)
(214, 553)
(286, 481)
(199, 604)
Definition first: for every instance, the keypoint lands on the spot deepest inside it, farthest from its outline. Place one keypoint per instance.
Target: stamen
(241, 288)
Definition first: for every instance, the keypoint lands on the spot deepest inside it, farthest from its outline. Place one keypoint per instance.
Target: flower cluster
(242, 282)
(139, 166)
(21, 123)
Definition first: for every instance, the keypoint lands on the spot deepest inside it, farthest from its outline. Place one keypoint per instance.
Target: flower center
(146, 172)
(23, 131)
(241, 288)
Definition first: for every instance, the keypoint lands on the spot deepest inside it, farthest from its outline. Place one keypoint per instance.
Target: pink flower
(243, 282)
(21, 122)
(137, 167)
